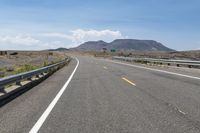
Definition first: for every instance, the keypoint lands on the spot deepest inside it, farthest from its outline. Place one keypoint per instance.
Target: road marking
(182, 112)
(157, 70)
(105, 67)
(130, 82)
(42, 119)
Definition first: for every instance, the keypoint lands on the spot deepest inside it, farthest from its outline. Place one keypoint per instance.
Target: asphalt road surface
(100, 96)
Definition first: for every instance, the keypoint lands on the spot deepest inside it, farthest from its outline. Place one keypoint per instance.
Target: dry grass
(190, 55)
(27, 60)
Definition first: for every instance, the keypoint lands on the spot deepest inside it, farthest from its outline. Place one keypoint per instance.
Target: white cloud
(28, 42)
(53, 44)
(59, 35)
(19, 39)
(80, 35)
(55, 40)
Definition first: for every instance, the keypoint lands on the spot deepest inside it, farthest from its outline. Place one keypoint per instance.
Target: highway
(102, 96)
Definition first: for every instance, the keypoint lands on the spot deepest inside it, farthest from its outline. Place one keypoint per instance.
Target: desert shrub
(14, 53)
(2, 72)
(24, 68)
(45, 63)
(9, 69)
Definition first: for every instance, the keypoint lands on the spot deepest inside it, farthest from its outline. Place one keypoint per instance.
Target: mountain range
(123, 45)
(58, 49)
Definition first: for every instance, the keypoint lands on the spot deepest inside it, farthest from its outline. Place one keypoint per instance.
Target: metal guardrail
(189, 63)
(28, 75)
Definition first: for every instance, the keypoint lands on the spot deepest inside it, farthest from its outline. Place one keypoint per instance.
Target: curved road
(106, 97)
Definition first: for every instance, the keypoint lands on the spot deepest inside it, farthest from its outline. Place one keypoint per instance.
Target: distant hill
(92, 46)
(58, 49)
(124, 44)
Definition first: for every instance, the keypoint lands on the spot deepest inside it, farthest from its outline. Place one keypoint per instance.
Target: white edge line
(157, 70)
(42, 119)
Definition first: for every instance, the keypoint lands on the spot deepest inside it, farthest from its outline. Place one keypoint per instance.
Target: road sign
(112, 50)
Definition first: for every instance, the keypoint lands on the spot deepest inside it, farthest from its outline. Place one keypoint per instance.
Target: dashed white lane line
(157, 70)
(182, 112)
(46, 113)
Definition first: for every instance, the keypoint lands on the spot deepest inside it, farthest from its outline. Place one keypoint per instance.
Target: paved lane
(99, 100)
(108, 97)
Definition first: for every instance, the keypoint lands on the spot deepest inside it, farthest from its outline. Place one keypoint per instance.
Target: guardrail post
(18, 83)
(29, 79)
(2, 89)
(38, 76)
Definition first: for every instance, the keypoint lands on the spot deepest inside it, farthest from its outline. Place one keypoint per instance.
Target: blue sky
(42, 24)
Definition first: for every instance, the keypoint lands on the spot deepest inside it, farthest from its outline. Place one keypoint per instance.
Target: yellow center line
(130, 82)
